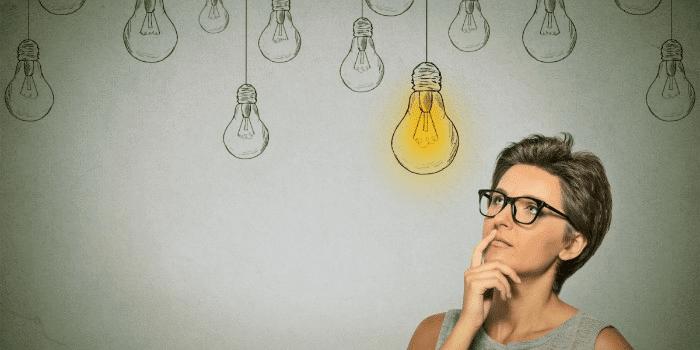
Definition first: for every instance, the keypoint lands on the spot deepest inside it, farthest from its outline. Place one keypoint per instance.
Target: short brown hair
(584, 186)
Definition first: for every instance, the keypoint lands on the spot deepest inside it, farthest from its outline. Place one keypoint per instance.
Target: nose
(505, 216)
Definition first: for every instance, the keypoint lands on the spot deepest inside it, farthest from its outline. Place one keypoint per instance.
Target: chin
(498, 255)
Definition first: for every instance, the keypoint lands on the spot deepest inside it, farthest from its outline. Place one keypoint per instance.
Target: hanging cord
(362, 8)
(671, 19)
(426, 30)
(246, 41)
(27, 19)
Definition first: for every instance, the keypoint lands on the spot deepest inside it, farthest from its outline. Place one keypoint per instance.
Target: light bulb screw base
(671, 50)
(28, 50)
(247, 94)
(426, 77)
(280, 5)
(362, 27)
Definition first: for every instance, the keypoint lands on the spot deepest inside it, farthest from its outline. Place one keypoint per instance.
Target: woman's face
(529, 249)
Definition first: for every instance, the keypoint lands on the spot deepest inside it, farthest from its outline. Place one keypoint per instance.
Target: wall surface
(126, 224)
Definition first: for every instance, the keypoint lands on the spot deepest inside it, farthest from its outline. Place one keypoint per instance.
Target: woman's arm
(610, 339)
(479, 279)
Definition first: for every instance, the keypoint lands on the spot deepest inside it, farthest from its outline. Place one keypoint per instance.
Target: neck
(533, 310)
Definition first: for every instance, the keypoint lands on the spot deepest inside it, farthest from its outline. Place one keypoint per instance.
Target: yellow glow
(426, 140)
(445, 185)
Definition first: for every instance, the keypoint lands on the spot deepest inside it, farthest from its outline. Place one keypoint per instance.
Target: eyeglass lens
(491, 203)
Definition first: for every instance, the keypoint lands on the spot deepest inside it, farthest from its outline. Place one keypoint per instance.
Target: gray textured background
(125, 223)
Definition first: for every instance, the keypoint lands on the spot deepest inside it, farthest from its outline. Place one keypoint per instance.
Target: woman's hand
(480, 283)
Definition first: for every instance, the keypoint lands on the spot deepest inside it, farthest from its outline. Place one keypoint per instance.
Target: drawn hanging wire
(150, 35)
(426, 140)
(389, 7)
(362, 69)
(638, 7)
(246, 136)
(28, 97)
(214, 17)
(671, 97)
(61, 7)
(280, 41)
(550, 35)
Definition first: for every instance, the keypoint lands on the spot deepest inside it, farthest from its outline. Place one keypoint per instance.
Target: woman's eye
(531, 208)
(497, 200)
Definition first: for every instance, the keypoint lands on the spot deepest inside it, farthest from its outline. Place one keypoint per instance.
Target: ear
(573, 247)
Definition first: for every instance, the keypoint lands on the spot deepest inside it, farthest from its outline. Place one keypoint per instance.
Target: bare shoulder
(426, 335)
(611, 339)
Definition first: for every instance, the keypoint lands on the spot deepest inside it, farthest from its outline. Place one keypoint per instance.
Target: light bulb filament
(549, 24)
(280, 32)
(245, 131)
(469, 23)
(671, 85)
(214, 13)
(150, 25)
(425, 133)
(362, 62)
(28, 85)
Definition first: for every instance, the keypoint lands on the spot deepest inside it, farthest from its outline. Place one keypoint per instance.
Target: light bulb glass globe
(638, 7)
(550, 34)
(469, 30)
(61, 7)
(246, 136)
(149, 35)
(389, 7)
(362, 69)
(280, 41)
(426, 140)
(28, 96)
(214, 17)
(671, 96)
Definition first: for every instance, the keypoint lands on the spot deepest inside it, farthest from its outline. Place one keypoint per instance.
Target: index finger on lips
(480, 248)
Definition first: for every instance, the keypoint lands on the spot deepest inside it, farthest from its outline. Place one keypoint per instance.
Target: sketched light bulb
(550, 34)
(425, 141)
(389, 7)
(469, 30)
(280, 40)
(246, 136)
(149, 35)
(61, 7)
(28, 96)
(671, 96)
(638, 7)
(362, 69)
(214, 17)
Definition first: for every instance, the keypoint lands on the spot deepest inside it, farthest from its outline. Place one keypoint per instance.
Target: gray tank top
(577, 333)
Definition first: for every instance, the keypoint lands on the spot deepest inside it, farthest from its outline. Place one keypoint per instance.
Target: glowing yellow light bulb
(425, 141)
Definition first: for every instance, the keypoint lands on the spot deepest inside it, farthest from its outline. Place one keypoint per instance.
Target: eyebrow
(499, 189)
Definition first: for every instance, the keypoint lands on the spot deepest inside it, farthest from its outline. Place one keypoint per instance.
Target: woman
(545, 215)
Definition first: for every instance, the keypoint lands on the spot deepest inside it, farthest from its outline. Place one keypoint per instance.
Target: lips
(501, 242)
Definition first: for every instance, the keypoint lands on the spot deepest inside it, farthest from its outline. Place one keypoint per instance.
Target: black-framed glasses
(524, 210)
